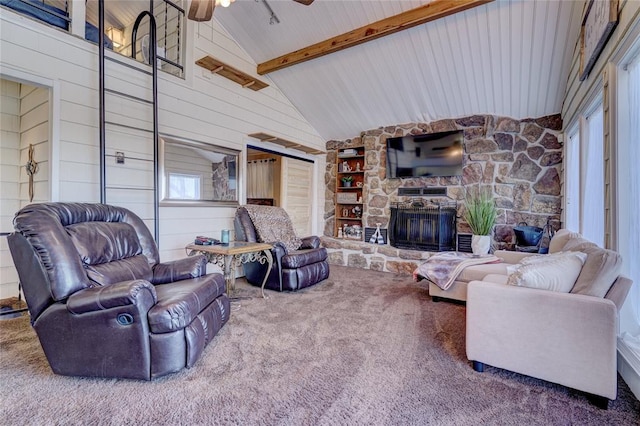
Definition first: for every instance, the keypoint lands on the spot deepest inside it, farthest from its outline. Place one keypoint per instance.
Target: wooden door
(297, 193)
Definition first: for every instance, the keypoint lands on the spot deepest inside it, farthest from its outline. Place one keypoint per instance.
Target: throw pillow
(578, 244)
(599, 272)
(533, 259)
(557, 273)
(561, 238)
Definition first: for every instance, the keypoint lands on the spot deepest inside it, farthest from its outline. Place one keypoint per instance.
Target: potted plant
(346, 180)
(480, 213)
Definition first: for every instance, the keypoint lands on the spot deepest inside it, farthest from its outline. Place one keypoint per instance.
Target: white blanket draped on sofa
(442, 269)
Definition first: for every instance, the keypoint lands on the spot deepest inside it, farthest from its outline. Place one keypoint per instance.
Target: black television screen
(433, 154)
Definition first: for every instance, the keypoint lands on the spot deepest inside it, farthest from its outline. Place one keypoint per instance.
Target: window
(184, 187)
(592, 172)
(584, 184)
(628, 194)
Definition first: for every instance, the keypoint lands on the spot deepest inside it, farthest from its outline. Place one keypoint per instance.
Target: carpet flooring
(361, 348)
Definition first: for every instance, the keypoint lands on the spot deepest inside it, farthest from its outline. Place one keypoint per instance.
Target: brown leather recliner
(100, 301)
(292, 270)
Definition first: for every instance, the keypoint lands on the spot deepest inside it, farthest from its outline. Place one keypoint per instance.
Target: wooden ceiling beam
(411, 18)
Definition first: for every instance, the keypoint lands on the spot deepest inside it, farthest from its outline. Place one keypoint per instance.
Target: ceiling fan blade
(201, 10)
(305, 2)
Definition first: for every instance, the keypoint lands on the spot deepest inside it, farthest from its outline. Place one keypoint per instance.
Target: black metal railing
(169, 15)
(41, 10)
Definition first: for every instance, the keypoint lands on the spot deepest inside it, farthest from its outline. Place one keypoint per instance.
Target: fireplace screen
(418, 227)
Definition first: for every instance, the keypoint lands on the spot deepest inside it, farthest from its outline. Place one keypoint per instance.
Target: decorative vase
(480, 244)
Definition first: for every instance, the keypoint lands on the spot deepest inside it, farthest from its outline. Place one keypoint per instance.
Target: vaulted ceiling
(507, 57)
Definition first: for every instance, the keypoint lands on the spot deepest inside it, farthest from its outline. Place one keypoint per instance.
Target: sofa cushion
(561, 238)
(102, 242)
(556, 273)
(478, 272)
(300, 258)
(131, 268)
(601, 268)
(180, 302)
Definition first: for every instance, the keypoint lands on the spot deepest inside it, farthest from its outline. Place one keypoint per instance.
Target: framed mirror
(197, 173)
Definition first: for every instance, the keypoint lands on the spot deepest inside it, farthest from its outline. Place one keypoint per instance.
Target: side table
(233, 255)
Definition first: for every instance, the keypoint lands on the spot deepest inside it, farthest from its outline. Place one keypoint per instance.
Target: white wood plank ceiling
(509, 57)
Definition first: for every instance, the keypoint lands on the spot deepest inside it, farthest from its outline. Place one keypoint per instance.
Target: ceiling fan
(202, 10)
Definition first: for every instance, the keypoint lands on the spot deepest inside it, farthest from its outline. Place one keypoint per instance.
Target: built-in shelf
(227, 71)
(265, 137)
(349, 163)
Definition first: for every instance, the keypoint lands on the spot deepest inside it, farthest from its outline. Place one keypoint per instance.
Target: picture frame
(600, 19)
(346, 197)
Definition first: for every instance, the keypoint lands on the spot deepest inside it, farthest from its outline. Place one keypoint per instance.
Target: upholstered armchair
(100, 301)
(297, 263)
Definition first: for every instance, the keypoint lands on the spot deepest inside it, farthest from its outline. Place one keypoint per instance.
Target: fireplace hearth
(415, 226)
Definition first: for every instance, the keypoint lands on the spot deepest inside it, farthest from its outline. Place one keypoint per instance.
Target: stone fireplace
(518, 160)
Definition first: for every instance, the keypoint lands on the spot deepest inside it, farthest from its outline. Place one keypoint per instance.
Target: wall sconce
(117, 37)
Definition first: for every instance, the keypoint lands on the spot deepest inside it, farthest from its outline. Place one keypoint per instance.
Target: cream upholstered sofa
(567, 338)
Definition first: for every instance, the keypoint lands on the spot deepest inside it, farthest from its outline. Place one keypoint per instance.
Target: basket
(527, 235)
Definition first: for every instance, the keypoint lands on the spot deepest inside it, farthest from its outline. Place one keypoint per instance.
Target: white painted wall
(34, 130)
(579, 93)
(9, 178)
(203, 107)
(25, 121)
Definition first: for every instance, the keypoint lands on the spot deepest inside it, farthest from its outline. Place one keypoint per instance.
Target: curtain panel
(260, 179)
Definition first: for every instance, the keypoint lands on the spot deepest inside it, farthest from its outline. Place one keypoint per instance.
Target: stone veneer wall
(518, 160)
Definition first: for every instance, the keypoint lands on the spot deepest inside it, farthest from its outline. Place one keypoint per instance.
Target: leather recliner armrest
(136, 292)
(181, 269)
(278, 250)
(310, 242)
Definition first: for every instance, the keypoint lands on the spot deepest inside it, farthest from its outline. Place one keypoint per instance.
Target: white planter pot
(480, 244)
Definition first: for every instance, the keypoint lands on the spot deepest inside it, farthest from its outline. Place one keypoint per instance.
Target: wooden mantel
(218, 67)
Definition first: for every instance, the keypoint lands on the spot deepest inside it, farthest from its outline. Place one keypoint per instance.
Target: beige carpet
(362, 348)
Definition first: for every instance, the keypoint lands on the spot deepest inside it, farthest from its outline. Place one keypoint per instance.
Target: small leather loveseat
(100, 301)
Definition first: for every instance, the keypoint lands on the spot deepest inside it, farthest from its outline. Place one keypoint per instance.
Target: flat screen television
(433, 154)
